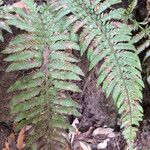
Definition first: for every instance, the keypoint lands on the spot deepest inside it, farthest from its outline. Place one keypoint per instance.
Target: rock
(103, 144)
(112, 135)
(102, 131)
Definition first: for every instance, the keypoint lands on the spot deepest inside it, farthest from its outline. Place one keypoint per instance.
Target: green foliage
(141, 38)
(94, 27)
(109, 41)
(142, 34)
(141, 31)
(4, 15)
(132, 5)
(42, 50)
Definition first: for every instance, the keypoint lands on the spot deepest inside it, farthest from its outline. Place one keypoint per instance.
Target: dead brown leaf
(67, 146)
(21, 139)
(20, 5)
(6, 147)
(102, 131)
(85, 146)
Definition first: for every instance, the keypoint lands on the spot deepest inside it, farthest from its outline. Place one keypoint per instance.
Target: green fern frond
(132, 4)
(109, 41)
(141, 38)
(4, 15)
(142, 34)
(42, 50)
(142, 41)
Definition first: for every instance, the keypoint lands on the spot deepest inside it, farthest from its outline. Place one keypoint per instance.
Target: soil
(97, 110)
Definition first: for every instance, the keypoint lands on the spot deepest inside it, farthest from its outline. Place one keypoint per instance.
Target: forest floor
(97, 128)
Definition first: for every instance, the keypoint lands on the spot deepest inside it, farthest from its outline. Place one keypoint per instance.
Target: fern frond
(141, 38)
(109, 42)
(142, 41)
(40, 101)
(4, 15)
(142, 34)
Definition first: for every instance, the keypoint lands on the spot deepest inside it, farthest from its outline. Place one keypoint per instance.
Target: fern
(108, 41)
(142, 41)
(141, 29)
(142, 34)
(94, 27)
(141, 38)
(42, 50)
(4, 15)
